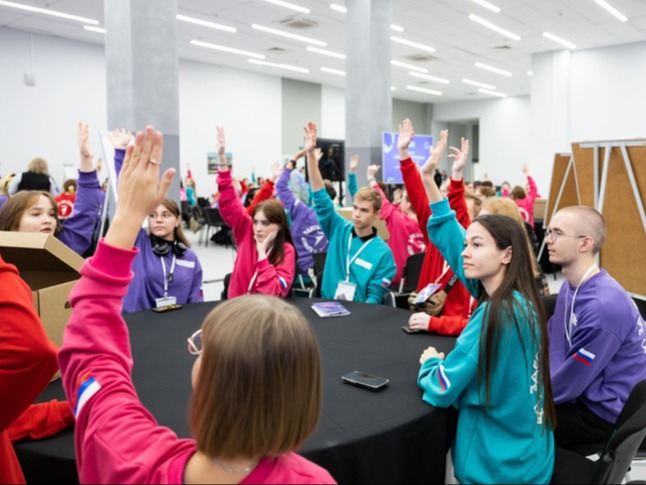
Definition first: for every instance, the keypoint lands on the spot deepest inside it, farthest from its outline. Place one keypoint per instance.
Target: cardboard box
(379, 224)
(51, 270)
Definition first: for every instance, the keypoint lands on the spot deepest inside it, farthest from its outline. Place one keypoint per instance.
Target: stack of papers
(330, 309)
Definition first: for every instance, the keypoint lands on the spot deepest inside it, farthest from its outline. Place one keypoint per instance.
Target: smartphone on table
(365, 380)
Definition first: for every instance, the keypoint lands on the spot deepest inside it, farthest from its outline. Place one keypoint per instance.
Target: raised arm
(316, 180)
(456, 188)
(267, 189)
(387, 208)
(353, 187)
(285, 195)
(427, 171)
(120, 138)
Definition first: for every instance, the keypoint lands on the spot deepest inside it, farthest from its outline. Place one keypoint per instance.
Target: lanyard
(349, 261)
(169, 278)
(255, 275)
(568, 323)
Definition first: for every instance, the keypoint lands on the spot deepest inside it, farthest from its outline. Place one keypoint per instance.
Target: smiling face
(262, 226)
(39, 217)
(482, 257)
(162, 223)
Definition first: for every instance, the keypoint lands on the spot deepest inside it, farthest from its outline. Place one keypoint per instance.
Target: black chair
(397, 295)
(212, 221)
(185, 210)
(301, 287)
(319, 265)
(615, 456)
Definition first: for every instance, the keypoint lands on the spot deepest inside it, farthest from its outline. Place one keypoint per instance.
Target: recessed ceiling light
(440, 80)
(279, 66)
(92, 28)
(611, 9)
(478, 84)
(223, 48)
(298, 8)
(333, 71)
(205, 23)
(325, 52)
(557, 39)
(408, 66)
(410, 43)
(287, 34)
(494, 27)
(396, 28)
(487, 67)
(46, 11)
(485, 4)
(530, 73)
(424, 90)
(338, 8)
(393, 88)
(493, 93)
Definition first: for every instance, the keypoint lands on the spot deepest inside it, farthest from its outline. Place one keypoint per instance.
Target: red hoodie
(458, 305)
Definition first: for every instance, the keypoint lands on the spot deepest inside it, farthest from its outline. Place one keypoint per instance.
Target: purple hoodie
(607, 357)
(306, 230)
(78, 228)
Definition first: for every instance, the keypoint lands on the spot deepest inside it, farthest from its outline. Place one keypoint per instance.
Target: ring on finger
(154, 162)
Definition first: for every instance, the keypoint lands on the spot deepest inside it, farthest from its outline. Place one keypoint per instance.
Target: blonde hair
(39, 166)
(259, 387)
(369, 195)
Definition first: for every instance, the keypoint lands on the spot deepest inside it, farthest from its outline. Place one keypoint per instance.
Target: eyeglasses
(195, 343)
(551, 234)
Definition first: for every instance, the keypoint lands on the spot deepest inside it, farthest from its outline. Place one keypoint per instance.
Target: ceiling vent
(421, 57)
(276, 50)
(296, 22)
(502, 47)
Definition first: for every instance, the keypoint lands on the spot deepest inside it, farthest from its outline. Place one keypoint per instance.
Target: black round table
(389, 436)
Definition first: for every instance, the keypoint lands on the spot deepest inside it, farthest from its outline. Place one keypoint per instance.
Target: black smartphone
(365, 380)
(167, 308)
(407, 329)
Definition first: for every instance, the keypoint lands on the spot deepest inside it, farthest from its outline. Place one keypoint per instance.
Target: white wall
(505, 137)
(333, 113)
(41, 121)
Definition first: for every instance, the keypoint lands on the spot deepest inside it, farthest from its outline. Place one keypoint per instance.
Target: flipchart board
(611, 176)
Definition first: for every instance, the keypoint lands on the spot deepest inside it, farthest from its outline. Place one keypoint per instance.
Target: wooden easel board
(568, 197)
(624, 252)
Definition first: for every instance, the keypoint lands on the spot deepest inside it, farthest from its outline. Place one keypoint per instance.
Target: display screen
(418, 149)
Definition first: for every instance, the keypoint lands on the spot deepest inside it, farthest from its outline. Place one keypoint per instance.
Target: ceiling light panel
(46, 11)
(282, 33)
(279, 66)
(494, 27)
(205, 23)
(289, 5)
(489, 68)
(487, 5)
(479, 84)
(429, 78)
(409, 66)
(410, 43)
(333, 71)
(559, 40)
(326, 52)
(612, 10)
(492, 93)
(230, 50)
(424, 90)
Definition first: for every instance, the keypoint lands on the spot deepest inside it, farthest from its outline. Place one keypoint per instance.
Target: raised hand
(85, 148)
(436, 153)
(459, 159)
(526, 170)
(223, 165)
(276, 169)
(372, 171)
(310, 137)
(120, 138)
(354, 163)
(406, 134)
(140, 188)
(318, 153)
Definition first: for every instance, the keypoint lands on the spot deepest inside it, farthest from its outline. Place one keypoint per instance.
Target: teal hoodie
(372, 271)
(505, 441)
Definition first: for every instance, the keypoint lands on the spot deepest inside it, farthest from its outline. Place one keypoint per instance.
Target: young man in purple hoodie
(597, 336)
(308, 236)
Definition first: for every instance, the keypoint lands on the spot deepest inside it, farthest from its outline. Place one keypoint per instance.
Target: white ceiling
(442, 24)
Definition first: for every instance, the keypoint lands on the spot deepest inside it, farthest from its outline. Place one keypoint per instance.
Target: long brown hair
(259, 387)
(502, 307)
(275, 213)
(13, 210)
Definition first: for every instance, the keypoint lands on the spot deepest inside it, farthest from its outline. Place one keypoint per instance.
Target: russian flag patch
(444, 381)
(282, 282)
(584, 356)
(88, 387)
(385, 282)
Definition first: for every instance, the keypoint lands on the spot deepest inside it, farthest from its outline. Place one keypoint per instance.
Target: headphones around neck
(161, 247)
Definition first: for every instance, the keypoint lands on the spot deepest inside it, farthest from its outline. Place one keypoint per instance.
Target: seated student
(458, 303)
(309, 238)
(35, 178)
(65, 200)
(597, 343)
(28, 362)
(406, 238)
(359, 265)
(266, 260)
(166, 270)
(255, 342)
(497, 375)
(36, 211)
(525, 199)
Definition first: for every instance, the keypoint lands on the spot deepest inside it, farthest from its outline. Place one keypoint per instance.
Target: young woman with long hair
(266, 260)
(498, 373)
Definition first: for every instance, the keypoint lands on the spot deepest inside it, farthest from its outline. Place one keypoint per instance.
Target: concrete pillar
(368, 99)
(142, 71)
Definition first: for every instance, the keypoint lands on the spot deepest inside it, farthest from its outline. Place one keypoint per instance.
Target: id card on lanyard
(345, 290)
(167, 300)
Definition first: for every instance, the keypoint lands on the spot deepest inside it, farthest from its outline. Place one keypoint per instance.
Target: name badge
(345, 291)
(186, 264)
(363, 263)
(165, 301)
